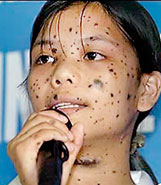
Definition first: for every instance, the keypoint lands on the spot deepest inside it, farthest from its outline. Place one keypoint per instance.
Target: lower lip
(71, 110)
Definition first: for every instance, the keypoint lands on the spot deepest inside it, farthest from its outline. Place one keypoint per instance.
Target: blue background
(16, 20)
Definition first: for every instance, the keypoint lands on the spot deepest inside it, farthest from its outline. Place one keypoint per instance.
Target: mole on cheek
(128, 96)
(70, 29)
(95, 24)
(98, 83)
(112, 95)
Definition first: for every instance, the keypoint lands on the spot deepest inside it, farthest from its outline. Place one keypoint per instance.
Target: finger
(42, 117)
(78, 133)
(44, 126)
(55, 115)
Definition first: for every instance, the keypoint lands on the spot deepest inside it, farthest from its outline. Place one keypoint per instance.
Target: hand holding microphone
(40, 128)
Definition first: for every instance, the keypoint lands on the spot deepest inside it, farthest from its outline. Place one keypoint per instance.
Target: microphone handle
(51, 171)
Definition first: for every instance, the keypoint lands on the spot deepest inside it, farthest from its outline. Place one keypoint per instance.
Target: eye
(94, 56)
(43, 59)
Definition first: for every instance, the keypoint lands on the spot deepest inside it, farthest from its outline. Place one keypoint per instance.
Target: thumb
(78, 133)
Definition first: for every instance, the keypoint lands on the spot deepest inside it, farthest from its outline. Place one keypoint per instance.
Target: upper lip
(66, 101)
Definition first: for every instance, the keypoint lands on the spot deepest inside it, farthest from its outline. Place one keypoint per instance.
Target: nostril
(57, 82)
(69, 80)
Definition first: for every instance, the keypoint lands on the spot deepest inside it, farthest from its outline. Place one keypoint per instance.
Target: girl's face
(81, 57)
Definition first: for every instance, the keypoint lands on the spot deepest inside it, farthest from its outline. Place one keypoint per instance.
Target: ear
(149, 91)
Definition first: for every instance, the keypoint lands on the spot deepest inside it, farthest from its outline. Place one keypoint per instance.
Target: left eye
(94, 56)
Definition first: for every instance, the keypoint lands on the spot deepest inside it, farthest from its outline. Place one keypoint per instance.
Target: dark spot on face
(39, 88)
(109, 128)
(96, 101)
(54, 36)
(98, 83)
(91, 38)
(72, 53)
(128, 74)
(96, 24)
(69, 80)
(117, 44)
(47, 79)
(79, 180)
(38, 143)
(112, 95)
(34, 84)
(119, 92)
(111, 70)
(54, 50)
(76, 32)
(128, 96)
(85, 134)
(77, 48)
(71, 46)
(107, 33)
(70, 29)
(118, 101)
(78, 60)
(122, 61)
(89, 17)
(108, 28)
(90, 86)
(37, 97)
(90, 117)
(87, 44)
(95, 122)
(113, 171)
(36, 80)
(56, 97)
(117, 115)
(57, 82)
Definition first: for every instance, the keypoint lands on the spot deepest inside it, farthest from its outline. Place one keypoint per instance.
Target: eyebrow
(42, 43)
(87, 39)
(100, 38)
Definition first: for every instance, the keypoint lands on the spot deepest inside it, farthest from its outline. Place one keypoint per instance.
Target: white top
(139, 178)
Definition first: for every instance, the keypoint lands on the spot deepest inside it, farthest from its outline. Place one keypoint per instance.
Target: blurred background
(16, 19)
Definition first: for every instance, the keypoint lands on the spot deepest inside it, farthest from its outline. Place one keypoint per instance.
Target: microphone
(51, 172)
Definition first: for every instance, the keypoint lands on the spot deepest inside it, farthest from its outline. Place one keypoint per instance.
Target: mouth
(68, 107)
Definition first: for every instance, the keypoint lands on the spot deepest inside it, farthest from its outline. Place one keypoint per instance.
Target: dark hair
(135, 23)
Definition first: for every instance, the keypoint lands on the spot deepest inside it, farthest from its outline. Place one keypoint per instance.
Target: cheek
(37, 87)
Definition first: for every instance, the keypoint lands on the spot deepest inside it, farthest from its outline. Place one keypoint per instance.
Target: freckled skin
(73, 76)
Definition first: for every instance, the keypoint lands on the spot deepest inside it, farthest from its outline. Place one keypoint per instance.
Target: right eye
(43, 59)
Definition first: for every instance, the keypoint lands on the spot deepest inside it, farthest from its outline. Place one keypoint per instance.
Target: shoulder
(141, 178)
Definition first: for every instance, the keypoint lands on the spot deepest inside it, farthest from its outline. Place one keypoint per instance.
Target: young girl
(97, 62)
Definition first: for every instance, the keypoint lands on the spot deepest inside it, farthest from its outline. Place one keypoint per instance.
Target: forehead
(79, 21)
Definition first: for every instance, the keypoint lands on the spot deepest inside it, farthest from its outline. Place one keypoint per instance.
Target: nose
(65, 74)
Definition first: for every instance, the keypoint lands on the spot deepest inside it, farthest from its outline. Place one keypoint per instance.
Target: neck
(103, 162)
